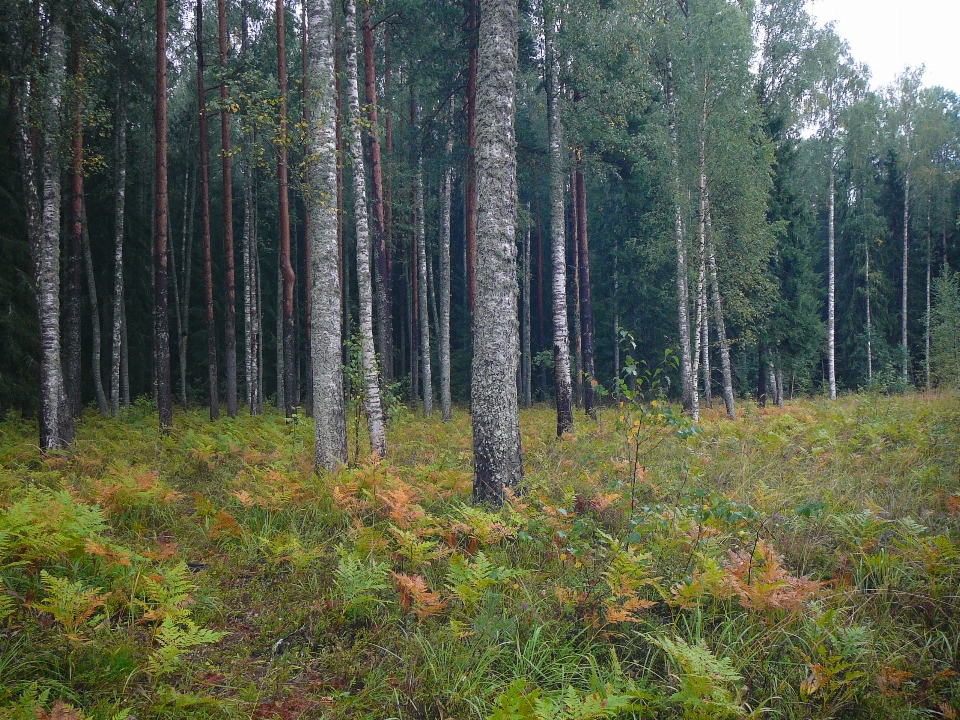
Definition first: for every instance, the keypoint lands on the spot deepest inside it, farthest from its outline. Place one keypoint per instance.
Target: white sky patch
(889, 35)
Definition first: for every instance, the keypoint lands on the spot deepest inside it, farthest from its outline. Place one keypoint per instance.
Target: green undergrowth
(796, 563)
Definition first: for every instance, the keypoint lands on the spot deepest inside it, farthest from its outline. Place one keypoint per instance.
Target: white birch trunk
(94, 318)
(831, 284)
(904, 340)
(561, 332)
(691, 398)
(527, 365)
(869, 321)
(725, 365)
(371, 377)
(498, 461)
(326, 313)
(120, 191)
(446, 409)
(424, 310)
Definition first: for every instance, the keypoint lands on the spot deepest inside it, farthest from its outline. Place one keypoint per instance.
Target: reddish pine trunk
(212, 373)
(286, 268)
(381, 289)
(231, 293)
(388, 192)
(161, 330)
(75, 248)
(586, 309)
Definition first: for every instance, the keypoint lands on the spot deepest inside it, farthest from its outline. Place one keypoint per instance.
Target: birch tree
(330, 440)
(496, 420)
(444, 321)
(561, 333)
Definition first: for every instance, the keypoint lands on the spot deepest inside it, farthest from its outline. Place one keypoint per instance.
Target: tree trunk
(526, 369)
(307, 284)
(691, 399)
(342, 256)
(286, 266)
(831, 285)
(586, 307)
(616, 319)
(212, 371)
(575, 291)
(95, 321)
(329, 421)
(371, 378)
(120, 194)
(381, 289)
(926, 334)
(281, 365)
(470, 211)
(904, 340)
(230, 310)
(73, 378)
(427, 379)
(761, 375)
(725, 364)
(124, 356)
(541, 312)
(498, 462)
(162, 329)
(869, 321)
(561, 334)
(446, 409)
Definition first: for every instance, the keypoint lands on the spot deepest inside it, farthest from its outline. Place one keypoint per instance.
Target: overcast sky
(888, 35)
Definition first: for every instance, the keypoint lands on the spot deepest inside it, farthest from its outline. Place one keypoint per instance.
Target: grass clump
(798, 563)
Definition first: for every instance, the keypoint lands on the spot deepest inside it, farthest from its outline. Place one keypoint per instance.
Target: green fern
(706, 681)
(168, 593)
(6, 607)
(174, 638)
(42, 526)
(469, 581)
(359, 580)
(71, 604)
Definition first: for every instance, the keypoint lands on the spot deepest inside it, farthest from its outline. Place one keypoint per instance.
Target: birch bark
(371, 379)
(328, 412)
(496, 422)
(427, 378)
(120, 193)
(444, 333)
(96, 353)
(230, 308)
(561, 333)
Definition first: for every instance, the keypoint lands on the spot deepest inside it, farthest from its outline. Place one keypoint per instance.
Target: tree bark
(124, 356)
(381, 289)
(230, 310)
(212, 370)
(904, 340)
(73, 379)
(926, 334)
(691, 399)
(446, 409)
(342, 263)
(561, 333)
(120, 194)
(761, 375)
(586, 307)
(373, 407)
(869, 320)
(725, 364)
(575, 291)
(427, 377)
(831, 284)
(162, 329)
(307, 284)
(498, 460)
(470, 211)
(96, 353)
(526, 365)
(329, 422)
(286, 266)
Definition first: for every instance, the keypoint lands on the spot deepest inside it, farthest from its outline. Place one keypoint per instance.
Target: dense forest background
(662, 103)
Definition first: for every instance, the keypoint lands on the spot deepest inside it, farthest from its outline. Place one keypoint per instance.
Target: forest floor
(796, 563)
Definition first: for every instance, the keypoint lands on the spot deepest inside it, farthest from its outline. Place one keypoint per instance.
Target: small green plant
(470, 580)
(174, 638)
(359, 580)
(708, 684)
(71, 604)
